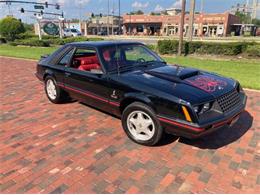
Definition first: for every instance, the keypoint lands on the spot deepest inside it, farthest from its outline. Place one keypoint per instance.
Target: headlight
(206, 107)
(202, 108)
(196, 109)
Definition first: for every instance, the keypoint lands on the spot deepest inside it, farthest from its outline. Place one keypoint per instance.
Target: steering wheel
(141, 60)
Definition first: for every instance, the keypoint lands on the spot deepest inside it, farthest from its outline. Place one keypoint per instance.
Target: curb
(17, 58)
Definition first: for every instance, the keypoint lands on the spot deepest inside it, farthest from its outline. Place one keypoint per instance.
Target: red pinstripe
(90, 95)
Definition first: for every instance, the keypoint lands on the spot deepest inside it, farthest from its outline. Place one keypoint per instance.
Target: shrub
(171, 47)
(49, 40)
(49, 37)
(253, 50)
(31, 42)
(152, 47)
(221, 48)
(58, 41)
(26, 35)
(168, 46)
(11, 27)
(2, 40)
(192, 47)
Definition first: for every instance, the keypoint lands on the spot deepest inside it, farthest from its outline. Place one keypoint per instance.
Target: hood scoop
(175, 74)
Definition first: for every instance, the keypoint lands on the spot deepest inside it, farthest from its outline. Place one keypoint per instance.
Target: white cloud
(158, 8)
(139, 5)
(177, 4)
(82, 2)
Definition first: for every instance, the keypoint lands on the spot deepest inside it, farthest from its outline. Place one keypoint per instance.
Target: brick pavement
(72, 148)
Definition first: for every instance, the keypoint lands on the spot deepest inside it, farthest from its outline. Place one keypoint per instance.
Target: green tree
(244, 18)
(256, 22)
(10, 27)
(155, 14)
(139, 12)
(28, 27)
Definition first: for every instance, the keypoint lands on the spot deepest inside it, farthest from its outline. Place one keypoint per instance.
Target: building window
(140, 29)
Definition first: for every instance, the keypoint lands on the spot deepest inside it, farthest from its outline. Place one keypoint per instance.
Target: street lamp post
(61, 19)
(191, 20)
(181, 26)
(119, 13)
(39, 18)
(108, 17)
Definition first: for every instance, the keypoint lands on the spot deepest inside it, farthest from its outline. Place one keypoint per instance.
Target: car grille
(228, 101)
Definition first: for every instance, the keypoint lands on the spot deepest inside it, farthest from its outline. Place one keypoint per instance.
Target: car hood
(188, 84)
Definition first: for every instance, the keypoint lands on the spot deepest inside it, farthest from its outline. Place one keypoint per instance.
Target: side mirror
(45, 56)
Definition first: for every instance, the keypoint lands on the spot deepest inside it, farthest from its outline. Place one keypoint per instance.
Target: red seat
(89, 67)
(106, 55)
(88, 63)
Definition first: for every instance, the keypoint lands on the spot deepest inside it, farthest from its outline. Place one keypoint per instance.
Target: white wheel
(140, 125)
(51, 89)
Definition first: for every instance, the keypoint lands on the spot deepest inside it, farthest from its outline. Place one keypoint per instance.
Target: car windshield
(74, 30)
(128, 57)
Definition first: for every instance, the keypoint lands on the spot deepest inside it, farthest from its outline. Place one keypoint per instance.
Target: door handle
(67, 74)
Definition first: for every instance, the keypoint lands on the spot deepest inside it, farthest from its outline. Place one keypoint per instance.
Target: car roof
(103, 43)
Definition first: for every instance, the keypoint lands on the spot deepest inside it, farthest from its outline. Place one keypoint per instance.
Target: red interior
(106, 55)
(88, 63)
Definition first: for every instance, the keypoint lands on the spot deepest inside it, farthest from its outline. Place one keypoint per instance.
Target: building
(211, 25)
(173, 11)
(244, 29)
(100, 24)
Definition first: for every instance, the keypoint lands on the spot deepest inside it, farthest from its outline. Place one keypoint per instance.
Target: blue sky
(80, 8)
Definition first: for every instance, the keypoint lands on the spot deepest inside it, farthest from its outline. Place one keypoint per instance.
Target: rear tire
(54, 93)
(141, 125)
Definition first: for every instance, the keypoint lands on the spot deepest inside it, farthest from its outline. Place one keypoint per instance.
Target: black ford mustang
(130, 81)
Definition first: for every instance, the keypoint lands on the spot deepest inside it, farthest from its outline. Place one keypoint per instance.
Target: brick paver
(71, 148)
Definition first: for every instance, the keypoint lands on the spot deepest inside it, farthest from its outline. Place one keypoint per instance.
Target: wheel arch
(131, 98)
(48, 73)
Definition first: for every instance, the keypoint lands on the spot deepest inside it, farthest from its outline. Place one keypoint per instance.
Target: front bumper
(190, 130)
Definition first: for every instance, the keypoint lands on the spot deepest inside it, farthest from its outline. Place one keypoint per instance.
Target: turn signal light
(186, 114)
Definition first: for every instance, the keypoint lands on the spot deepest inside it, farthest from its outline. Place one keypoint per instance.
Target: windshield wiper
(133, 66)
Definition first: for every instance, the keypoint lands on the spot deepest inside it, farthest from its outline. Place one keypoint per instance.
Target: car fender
(49, 72)
(129, 98)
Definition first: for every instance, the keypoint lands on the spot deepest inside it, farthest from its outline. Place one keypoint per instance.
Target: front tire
(141, 124)
(53, 91)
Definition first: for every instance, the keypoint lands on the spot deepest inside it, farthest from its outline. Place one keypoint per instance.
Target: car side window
(86, 59)
(66, 59)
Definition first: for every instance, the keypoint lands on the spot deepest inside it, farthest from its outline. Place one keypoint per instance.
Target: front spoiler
(195, 131)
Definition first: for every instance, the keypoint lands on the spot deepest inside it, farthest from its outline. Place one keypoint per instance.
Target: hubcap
(51, 89)
(140, 125)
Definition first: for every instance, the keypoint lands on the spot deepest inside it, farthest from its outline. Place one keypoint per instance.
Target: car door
(88, 86)
(56, 67)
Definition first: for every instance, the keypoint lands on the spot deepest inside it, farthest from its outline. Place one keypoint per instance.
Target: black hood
(208, 82)
(185, 83)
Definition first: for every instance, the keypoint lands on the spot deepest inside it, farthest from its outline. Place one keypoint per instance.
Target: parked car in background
(102, 33)
(151, 97)
(71, 32)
